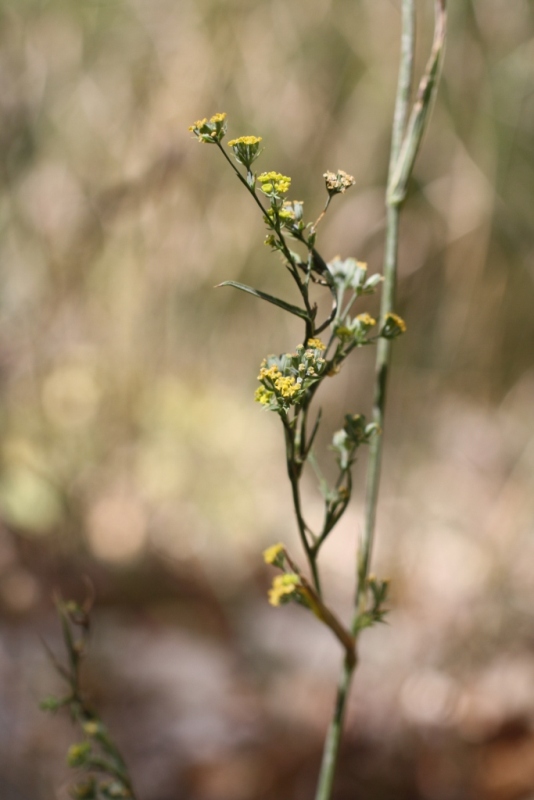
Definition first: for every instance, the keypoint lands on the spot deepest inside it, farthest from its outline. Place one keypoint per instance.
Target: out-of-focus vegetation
(131, 449)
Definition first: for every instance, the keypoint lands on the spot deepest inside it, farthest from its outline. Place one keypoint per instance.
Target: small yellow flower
(263, 396)
(398, 321)
(271, 555)
(267, 177)
(393, 326)
(210, 131)
(286, 214)
(366, 319)
(246, 149)
(198, 124)
(286, 386)
(272, 373)
(246, 140)
(316, 344)
(283, 586)
(274, 182)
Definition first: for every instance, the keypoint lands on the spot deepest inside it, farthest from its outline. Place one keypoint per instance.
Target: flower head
(338, 182)
(210, 131)
(274, 183)
(283, 587)
(247, 140)
(296, 209)
(246, 149)
(393, 326)
(316, 344)
(355, 330)
(274, 554)
(285, 379)
(366, 320)
(263, 396)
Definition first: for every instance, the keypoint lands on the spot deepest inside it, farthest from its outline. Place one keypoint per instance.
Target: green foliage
(354, 433)
(376, 593)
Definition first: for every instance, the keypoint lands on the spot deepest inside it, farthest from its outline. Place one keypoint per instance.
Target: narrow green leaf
(276, 301)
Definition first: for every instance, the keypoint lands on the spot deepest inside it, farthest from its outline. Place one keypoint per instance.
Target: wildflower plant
(101, 769)
(289, 383)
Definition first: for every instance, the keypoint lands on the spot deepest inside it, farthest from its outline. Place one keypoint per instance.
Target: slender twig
(107, 759)
(293, 267)
(316, 604)
(406, 138)
(322, 214)
(404, 147)
(293, 471)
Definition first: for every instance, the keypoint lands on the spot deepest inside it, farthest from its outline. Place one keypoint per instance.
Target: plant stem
(294, 468)
(408, 129)
(333, 738)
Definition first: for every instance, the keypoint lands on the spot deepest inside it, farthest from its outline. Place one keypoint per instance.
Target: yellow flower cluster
(286, 379)
(210, 131)
(316, 344)
(271, 555)
(274, 182)
(273, 372)
(283, 586)
(198, 124)
(398, 321)
(366, 319)
(246, 149)
(263, 395)
(357, 330)
(286, 214)
(286, 386)
(247, 140)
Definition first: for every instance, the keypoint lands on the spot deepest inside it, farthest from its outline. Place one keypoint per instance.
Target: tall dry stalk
(408, 130)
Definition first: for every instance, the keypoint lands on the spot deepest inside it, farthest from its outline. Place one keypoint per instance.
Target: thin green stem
(408, 129)
(241, 178)
(294, 469)
(333, 738)
(388, 298)
(303, 289)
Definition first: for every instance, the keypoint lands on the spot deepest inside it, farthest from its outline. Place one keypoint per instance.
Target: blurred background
(132, 453)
